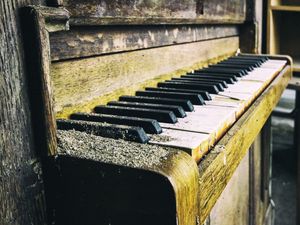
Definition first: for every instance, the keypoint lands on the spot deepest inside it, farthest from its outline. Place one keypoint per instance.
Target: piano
(139, 134)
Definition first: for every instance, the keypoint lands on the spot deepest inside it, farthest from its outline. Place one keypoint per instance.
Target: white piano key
(205, 119)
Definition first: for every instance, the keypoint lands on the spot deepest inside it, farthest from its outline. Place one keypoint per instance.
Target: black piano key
(235, 72)
(204, 94)
(177, 110)
(220, 71)
(212, 89)
(254, 64)
(150, 126)
(198, 79)
(185, 104)
(232, 66)
(136, 134)
(194, 98)
(262, 59)
(159, 115)
(257, 57)
(217, 86)
(229, 75)
(225, 78)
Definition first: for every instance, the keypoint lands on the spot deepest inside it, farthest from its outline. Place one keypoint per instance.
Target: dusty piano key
(209, 88)
(231, 66)
(245, 86)
(195, 144)
(194, 98)
(136, 134)
(262, 74)
(150, 126)
(223, 84)
(228, 80)
(235, 72)
(217, 85)
(177, 110)
(206, 119)
(204, 94)
(185, 104)
(223, 101)
(159, 115)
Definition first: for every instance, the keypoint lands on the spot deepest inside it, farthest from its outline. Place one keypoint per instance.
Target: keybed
(191, 112)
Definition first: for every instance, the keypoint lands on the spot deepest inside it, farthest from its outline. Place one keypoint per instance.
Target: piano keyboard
(190, 113)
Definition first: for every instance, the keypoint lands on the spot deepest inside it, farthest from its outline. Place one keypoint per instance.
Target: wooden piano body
(108, 49)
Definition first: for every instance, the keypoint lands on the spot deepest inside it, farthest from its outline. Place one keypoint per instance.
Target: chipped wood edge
(43, 20)
(219, 165)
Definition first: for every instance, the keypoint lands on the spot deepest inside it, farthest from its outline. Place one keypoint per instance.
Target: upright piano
(145, 111)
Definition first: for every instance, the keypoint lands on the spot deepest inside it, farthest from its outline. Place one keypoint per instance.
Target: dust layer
(88, 146)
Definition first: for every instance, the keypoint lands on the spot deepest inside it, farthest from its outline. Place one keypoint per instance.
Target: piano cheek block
(95, 192)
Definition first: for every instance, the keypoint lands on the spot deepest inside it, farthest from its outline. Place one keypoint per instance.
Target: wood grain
(219, 165)
(154, 12)
(81, 84)
(22, 198)
(91, 41)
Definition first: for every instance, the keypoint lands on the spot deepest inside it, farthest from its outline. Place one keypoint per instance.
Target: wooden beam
(219, 165)
(103, 12)
(92, 41)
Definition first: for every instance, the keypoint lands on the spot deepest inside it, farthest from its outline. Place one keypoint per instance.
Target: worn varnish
(92, 41)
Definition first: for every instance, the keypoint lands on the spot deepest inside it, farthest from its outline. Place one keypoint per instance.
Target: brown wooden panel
(81, 84)
(152, 11)
(90, 41)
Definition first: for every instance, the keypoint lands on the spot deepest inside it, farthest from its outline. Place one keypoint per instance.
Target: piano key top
(227, 79)
(204, 94)
(212, 89)
(202, 73)
(136, 134)
(194, 98)
(206, 80)
(150, 126)
(177, 110)
(185, 104)
(159, 115)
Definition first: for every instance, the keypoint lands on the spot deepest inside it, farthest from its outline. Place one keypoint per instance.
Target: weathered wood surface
(219, 165)
(80, 85)
(39, 21)
(91, 41)
(21, 185)
(155, 12)
(232, 207)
